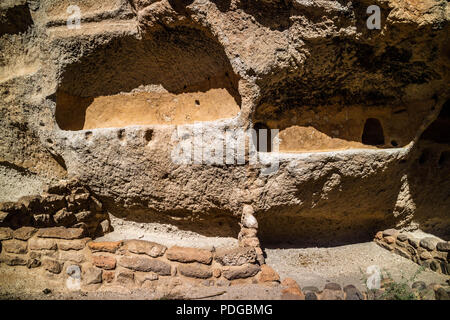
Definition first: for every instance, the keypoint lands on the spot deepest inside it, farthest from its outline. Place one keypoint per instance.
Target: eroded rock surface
(363, 114)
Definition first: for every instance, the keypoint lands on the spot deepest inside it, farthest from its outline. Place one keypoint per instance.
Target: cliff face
(363, 114)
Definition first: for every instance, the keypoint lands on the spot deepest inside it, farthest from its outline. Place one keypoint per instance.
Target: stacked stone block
(67, 204)
(59, 252)
(429, 252)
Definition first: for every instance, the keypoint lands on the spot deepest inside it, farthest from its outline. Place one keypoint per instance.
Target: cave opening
(176, 77)
(263, 140)
(373, 132)
(439, 130)
(444, 159)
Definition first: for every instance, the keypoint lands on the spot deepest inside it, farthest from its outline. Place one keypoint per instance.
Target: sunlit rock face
(362, 114)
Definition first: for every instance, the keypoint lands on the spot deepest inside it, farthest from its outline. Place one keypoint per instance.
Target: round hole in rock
(130, 81)
(373, 132)
(121, 134)
(394, 143)
(148, 135)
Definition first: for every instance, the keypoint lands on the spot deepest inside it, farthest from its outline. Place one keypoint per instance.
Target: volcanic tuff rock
(363, 114)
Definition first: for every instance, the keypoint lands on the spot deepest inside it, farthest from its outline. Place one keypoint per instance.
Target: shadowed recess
(177, 76)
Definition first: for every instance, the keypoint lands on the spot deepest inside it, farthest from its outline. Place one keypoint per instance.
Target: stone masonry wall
(67, 204)
(66, 254)
(429, 252)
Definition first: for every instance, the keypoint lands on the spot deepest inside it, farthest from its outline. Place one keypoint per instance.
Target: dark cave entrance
(373, 132)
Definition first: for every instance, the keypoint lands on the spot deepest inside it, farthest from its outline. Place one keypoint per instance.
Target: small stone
(151, 249)
(74, 256)
(389, 239)
(183, 254)
(419, 285)
(147, 276)
(429, 243)
(441, 294)
(267, 274)
(110, 246)
(260, 256)
(402, 237)
(104, 226)
(235, 256)
(291, 288)
(333, 286)
(352, 293)
(125, 278)
(145, 264)
(43, 220)
(249, 221)
(385, 245)
(247, 233)
(24, 233)
(310, 296)
(425, 255)
(328, 294)
(84, 216)
(217, 273)
(402, 253)
(247, 209)
(108, 276)
(440, 255)
(435, 265)
(46, 291)
(78, 244)
(414, 242)
(311, 288)
(195, 270)
(42, 244)
(92, 275)
(104, 262)
(401, 243)
(4, 216)
(15, 246)
(223, 283)
(74, 271)
(12, 260)
(33, 263)
(443, 246)
(52, 265)
(390, 233)
(445, 267)
(6, 234)
(244, 271)
(379, 235)
(289, 282)
(64, 218)
(61, 233)
(250, 242)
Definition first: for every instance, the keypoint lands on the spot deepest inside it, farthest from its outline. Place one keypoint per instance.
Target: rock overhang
(126, 167)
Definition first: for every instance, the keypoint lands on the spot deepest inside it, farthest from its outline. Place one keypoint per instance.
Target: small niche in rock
(263, 141)
(439, 130)
(426, 154)
(148, 135)
(121, 134)
(373, 132)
